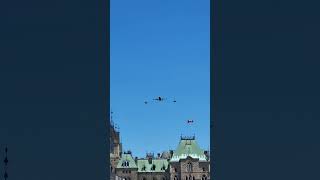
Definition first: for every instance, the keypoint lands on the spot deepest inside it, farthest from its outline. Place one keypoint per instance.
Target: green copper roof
(126, 161)
(160, 165)
(188, 147)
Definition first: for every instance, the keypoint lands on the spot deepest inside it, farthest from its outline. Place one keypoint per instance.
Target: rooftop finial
(111, 112)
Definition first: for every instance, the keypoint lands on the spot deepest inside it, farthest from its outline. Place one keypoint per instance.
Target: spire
(6, 164)
(111, 120)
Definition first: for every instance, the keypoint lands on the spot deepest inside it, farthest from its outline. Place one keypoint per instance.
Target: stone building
(115, 150)
(187, 162)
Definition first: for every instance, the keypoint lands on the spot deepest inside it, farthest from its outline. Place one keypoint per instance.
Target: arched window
(186, 177)
(189, 167)
(125, 164)
(204, 177)
(193, 178)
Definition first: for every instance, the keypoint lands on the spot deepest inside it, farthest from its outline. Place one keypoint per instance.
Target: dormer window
(153, 167)
(143, 168)
(125, 164)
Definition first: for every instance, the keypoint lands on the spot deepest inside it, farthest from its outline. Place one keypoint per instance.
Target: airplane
(159, 99)
(190, 121)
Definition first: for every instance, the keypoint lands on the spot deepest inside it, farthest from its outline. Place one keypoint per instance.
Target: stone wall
(153, 176)
(127, 173)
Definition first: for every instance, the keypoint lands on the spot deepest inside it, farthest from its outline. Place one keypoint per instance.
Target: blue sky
(160, 48)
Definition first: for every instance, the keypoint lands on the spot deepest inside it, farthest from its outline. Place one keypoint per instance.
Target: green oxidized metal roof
(160, 165)
(188, 147)
(126, 158)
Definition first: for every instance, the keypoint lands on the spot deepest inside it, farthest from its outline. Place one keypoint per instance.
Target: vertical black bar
(107, 90)
(213, 83)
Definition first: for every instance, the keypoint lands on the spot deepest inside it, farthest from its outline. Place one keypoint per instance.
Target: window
(125, 164)
(189, 167)
(203, 169)
(153, 167)
(129, 171)
(175, 178)
(175, 170)
(204, 177)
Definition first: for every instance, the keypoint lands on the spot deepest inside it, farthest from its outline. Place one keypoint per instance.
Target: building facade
(187, 162)
(115, 151)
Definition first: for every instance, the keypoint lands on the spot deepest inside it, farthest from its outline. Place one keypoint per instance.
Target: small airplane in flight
(190, 121)
(159, 99)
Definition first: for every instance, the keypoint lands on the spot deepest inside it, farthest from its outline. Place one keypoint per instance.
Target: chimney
(158, 155)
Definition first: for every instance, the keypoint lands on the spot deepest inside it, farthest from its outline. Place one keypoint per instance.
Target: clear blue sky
(160, 48)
